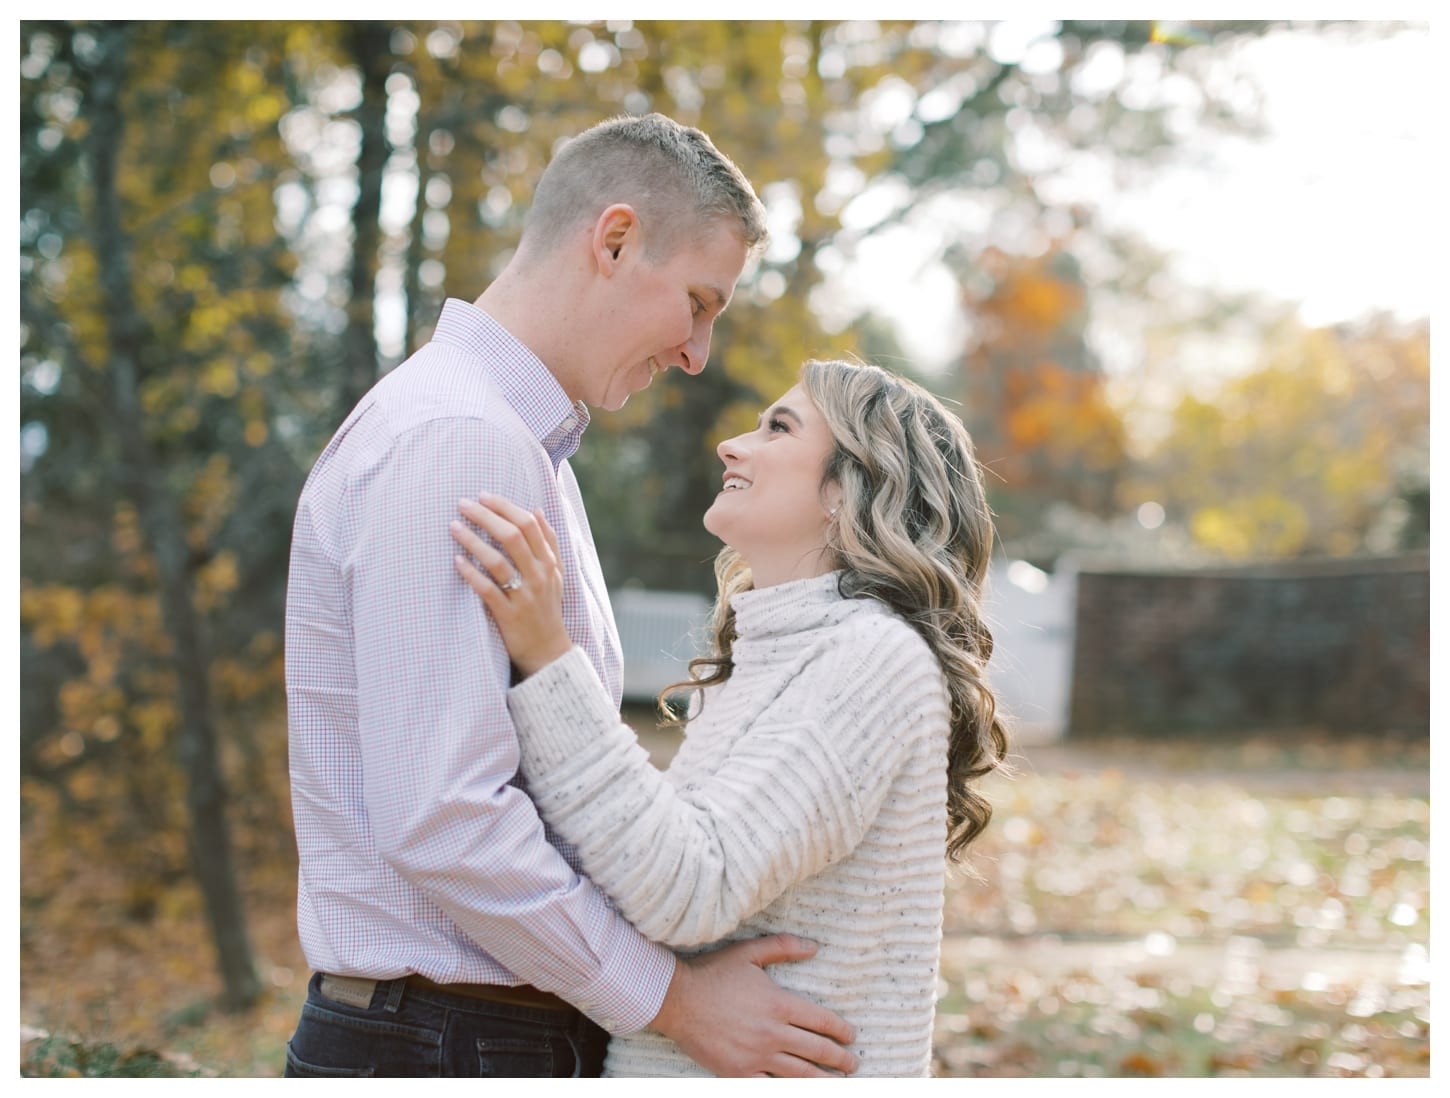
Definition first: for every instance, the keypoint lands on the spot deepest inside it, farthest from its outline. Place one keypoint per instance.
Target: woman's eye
(696, 306)
(777, 425)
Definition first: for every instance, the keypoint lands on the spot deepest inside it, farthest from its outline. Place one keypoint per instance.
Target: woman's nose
(731, 449)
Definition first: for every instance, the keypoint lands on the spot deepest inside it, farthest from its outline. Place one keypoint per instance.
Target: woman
(836, 728)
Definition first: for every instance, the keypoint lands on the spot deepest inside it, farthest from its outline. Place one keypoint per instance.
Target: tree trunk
(418, 320)
(368, 43)
(208, 838)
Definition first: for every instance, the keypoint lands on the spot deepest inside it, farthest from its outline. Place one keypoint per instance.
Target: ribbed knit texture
(809, 796)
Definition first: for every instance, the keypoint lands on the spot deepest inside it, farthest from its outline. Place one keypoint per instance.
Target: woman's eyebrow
(781, 410)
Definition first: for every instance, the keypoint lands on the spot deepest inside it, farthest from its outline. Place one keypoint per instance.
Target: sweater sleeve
(687, 865)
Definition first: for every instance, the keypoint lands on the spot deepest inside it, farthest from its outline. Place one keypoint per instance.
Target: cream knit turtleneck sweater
(809, 796)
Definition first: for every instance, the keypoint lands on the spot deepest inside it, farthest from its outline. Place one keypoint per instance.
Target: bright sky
(1330, 209)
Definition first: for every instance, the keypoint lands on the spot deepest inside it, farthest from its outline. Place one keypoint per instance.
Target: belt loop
(395, 994)
(575, 1050)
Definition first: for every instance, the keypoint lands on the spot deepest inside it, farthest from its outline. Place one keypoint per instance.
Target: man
(449, 933)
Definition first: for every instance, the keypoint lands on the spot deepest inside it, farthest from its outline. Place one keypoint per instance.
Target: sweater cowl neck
(788, 608)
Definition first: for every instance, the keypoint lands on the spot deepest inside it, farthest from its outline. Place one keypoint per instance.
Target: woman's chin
(710, 521)
(714, 525)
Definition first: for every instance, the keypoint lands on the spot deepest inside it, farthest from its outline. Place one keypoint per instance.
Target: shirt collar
(526, 383)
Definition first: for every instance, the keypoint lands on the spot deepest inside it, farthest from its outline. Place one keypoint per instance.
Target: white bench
(659, 632)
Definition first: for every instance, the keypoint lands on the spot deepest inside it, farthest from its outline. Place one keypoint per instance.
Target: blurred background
(1173, 276)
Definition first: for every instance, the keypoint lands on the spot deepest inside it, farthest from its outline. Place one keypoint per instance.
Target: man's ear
(616, 228)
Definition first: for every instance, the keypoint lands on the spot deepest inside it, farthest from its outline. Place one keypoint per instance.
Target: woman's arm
(686, 866)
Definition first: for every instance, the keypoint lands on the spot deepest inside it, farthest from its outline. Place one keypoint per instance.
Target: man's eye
(696, 306)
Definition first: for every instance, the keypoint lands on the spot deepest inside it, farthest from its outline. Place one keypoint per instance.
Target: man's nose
(694, 351)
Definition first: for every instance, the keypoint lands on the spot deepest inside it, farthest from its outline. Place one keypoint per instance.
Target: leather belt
(357, 991)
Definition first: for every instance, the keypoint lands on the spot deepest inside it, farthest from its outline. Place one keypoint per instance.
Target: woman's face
(771, 508)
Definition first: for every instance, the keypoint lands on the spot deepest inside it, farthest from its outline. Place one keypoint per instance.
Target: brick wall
(1342, 645)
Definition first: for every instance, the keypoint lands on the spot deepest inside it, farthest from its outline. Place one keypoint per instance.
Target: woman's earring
(834, 510)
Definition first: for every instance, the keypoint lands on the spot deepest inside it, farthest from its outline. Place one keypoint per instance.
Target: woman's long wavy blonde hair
(913, 531)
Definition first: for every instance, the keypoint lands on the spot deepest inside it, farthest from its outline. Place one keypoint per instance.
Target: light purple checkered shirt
(418, 850)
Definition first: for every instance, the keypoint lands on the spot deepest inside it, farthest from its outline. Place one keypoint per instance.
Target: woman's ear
(616, 228)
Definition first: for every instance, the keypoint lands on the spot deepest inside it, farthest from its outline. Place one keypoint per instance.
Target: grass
(60, 1058)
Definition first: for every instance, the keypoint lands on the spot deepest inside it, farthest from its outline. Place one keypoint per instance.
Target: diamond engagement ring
(515, 582)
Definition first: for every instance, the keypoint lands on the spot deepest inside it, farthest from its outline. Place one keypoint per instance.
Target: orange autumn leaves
(1035, 397)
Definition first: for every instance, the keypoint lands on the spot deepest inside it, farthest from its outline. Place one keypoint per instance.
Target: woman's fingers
(497, 565)
(526, 551)
(525, 536)
(550, 536)
(511, 538)
(525, 596)
(529, 525)
(535, 528)
(485, 587)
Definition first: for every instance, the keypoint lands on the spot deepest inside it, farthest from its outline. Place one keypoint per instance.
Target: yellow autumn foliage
(1301, 454)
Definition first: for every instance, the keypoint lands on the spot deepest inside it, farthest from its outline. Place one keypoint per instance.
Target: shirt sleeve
(688, 865)
(438, 749)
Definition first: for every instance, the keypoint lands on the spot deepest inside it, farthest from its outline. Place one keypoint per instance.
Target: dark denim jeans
(408, 1031)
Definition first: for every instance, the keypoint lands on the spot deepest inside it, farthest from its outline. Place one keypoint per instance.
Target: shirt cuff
(626, 995)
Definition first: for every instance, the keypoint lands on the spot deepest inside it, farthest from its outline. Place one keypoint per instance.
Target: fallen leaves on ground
(1145, 910)
(1105, 854)
(1161, 921)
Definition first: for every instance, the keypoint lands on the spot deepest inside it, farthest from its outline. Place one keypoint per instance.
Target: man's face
(663, 314)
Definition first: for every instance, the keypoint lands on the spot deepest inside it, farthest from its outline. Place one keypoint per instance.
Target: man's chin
(613, 402)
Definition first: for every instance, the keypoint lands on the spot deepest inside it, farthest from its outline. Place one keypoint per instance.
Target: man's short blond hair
(678, 182)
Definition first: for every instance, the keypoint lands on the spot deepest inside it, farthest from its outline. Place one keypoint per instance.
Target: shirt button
(568, 424)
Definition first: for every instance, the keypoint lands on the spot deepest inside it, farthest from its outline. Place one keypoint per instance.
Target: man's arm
(730, 1017)
(438, 750)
